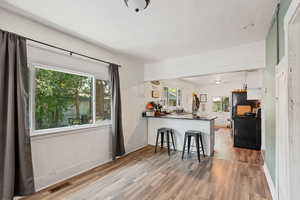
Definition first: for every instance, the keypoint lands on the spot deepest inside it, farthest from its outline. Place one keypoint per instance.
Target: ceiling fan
(137, 5)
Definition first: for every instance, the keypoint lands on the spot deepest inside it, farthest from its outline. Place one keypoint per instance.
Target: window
(172, 96)
(67, 99)
(103, 100)
(220, 104)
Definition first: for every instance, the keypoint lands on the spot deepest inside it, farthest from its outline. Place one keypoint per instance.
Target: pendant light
(137, 5)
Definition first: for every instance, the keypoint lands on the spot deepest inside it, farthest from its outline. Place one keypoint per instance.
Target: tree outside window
(63, 99)
(103, 100)
(172, 96)
(220, 104)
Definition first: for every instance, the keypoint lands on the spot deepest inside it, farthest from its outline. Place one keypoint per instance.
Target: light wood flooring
(232, 174)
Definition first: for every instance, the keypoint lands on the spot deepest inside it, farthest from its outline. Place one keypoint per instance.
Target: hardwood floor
(232, 174)
(224, 149)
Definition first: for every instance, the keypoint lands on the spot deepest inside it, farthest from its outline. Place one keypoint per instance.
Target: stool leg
(189, 143)
(162, 134)
(202, 147)
(197, 146)
(183, 150)
(168, 142)
(172, 136)
(157, 136)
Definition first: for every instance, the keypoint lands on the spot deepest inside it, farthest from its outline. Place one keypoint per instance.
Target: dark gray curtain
(16, 174)
(118, 148)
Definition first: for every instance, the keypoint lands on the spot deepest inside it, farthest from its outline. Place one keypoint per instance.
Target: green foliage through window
(220, 104)
(66, 99)
(103, 100)
(172, 96)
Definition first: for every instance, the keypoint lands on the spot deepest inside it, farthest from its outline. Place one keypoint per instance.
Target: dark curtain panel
(16, 174)
(118, 148)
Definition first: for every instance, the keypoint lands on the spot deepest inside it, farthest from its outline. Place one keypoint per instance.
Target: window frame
(32, 87)
(222, 98)
(178, 98)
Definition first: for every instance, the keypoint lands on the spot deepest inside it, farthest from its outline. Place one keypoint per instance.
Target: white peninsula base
(181, 124)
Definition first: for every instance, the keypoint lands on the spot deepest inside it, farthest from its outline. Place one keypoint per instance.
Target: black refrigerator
(246, 128)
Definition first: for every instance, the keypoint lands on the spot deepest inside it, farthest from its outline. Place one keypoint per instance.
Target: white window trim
(177, 97)
(33, 132)
(221, 102)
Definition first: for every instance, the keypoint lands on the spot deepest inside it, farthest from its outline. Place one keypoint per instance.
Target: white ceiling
(232, 77)
(167, 28)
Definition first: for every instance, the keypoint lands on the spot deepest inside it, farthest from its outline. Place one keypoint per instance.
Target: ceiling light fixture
(218, 82)
(137, 5)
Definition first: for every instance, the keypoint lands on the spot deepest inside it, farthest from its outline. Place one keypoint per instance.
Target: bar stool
(162, 132)
(197, 135)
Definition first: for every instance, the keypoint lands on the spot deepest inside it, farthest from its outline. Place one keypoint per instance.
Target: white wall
(186, 88)
(58, 156)
(244, 57)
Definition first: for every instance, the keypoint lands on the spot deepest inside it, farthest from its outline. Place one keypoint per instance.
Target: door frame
(286, 66)
(282, 131)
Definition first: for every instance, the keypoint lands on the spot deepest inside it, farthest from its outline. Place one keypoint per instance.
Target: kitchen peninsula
(180, 124)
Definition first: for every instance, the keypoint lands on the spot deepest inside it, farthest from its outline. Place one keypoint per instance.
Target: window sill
(67, 130)
(220, 112)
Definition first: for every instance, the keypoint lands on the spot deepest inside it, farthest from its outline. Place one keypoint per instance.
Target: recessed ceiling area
(168, 28)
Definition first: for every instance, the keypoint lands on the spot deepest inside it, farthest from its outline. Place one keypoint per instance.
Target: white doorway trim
(270, 182)
(282, 132)
(288, 123)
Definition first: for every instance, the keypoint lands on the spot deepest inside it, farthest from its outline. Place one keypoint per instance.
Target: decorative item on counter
(203, 97)
(153, 109)
(196, 104)
(150, 105)
(179, 110)
(150, 109)
(158, 108)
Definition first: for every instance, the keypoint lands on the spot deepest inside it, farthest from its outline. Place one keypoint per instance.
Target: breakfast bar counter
(180, 124)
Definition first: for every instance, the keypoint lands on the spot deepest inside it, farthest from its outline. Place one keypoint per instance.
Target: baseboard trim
(46, 187)
(270, 182)
(136, 149)
(61, 180)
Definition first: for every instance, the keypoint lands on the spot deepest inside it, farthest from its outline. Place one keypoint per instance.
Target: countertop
(185, 117)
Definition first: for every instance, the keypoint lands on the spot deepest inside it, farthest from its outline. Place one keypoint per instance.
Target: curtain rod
(62, 49)
(70, 52)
